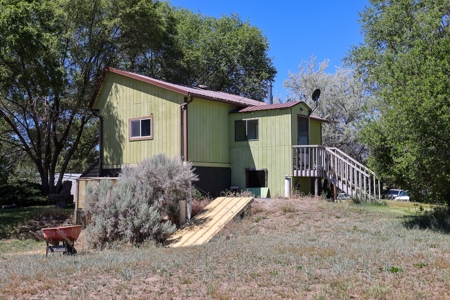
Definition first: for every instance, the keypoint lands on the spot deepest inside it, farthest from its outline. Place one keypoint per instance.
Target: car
(403, 196)
(392, 194)
(343, 196)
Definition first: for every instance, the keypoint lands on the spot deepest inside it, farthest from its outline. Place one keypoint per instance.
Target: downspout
(100, 163)
(184, 129)
(185, 205)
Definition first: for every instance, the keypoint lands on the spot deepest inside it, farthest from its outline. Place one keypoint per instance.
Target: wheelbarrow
(66, 235)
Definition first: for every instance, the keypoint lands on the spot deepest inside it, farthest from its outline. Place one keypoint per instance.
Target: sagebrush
(141, 205)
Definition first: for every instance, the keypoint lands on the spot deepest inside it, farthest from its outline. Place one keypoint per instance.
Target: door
(303, 139)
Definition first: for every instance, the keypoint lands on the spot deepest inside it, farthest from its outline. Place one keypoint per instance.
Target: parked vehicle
(343, 196)
(403, 196)
(392, 194)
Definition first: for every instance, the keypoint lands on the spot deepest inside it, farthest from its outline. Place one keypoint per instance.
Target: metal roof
(187, 91)
(202, 228)
(278, 106)
(271, 106)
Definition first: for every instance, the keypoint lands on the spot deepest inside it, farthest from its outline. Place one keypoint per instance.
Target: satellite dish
(316, 95)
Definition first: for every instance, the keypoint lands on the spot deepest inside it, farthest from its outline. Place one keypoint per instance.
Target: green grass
(400, 208)
(11, 219)
(324, 251)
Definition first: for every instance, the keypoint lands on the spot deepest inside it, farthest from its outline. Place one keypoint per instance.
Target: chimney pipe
(269, 96)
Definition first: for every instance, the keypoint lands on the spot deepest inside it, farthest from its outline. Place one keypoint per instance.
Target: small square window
(141, 128)
(245, 130)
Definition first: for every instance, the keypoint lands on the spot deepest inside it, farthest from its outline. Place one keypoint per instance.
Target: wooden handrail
(319, 160)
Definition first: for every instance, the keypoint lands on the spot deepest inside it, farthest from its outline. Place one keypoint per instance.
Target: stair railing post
(379, 189)
(374, 187)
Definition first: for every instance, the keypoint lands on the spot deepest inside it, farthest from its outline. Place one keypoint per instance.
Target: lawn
(286, 249)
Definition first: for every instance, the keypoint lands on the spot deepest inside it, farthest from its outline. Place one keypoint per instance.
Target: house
(232, 141)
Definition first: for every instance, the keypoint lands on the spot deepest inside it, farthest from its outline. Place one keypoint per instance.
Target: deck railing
(340, 169)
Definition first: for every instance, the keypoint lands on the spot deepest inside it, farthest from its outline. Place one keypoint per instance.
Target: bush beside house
(142, 205)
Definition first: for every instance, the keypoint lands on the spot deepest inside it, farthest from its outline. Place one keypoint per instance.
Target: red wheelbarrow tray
(71, 233)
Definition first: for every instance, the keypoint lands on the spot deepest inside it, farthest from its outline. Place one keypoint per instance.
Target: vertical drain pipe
(184, 129)
(185, 204)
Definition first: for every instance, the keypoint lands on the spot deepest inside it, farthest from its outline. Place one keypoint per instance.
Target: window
(303, 136)
(141, 128)
(246, 130)
(256, 178)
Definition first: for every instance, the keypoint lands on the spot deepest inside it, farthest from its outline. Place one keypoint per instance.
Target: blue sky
(295, 29)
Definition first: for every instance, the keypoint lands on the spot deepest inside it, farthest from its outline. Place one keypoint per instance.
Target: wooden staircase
(338, 168)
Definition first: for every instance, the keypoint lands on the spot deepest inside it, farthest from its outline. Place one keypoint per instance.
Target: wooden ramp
(208, 222)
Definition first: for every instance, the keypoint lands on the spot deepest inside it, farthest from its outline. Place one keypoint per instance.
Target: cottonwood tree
(226, 54)
(405, 60)
(52, 55)
(343, 102)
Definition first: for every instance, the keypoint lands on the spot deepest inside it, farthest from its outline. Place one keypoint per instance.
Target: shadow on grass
(436, 219)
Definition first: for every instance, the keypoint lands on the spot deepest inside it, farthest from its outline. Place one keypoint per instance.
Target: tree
(52, 53)
(51, 56)
(343, 103)
(405, 60)
(225, 54)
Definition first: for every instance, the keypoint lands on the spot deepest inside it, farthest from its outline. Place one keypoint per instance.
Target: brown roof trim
(97, 90)
(271, 106)
(319, 119)
(146, 79)
(186, 91)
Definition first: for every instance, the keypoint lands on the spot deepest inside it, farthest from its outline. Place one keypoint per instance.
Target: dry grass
(286, 249)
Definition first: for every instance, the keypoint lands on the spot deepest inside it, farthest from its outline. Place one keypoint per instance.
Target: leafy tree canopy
(225, 54)
(52, 53)
(343, 102)
(405, 59)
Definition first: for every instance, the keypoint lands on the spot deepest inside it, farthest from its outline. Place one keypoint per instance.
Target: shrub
(22, 193)
(142, 205)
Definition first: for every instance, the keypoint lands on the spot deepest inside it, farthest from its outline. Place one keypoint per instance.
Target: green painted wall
(300, 109)
(211, 132)
(122, 98)
(208, 132)
(315, 132)
(272, 150)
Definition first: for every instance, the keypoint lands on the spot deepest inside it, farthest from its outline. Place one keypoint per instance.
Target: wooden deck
(208, 222)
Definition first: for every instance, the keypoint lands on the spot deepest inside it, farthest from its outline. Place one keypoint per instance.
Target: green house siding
(123, 98)
(212, 147)
(299, 110)
(272, 151)
(315, 132)
(208, 133)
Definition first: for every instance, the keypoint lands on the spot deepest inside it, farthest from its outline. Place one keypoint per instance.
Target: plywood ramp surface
(208, 222)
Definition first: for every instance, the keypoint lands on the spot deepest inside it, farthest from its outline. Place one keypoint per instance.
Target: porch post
(316, 186)
(183, 209)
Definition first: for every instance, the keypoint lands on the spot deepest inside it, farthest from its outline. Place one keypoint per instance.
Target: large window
(246, 130)
(141, 128)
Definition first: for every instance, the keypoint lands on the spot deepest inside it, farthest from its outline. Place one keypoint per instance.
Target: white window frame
(140, 137)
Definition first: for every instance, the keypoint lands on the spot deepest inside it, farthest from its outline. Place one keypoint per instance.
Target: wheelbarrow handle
(40, 237)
